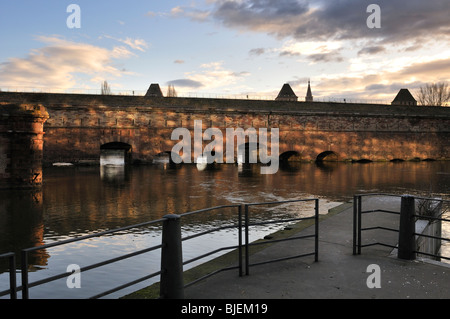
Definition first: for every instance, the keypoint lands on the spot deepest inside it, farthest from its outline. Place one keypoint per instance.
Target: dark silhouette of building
(154, 91)
(404, 97)
(309, 97)
(286, 94)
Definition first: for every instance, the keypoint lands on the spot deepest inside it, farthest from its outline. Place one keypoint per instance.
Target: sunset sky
(225, 47)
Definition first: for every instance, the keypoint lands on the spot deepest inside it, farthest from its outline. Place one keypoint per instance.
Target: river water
(77, 201)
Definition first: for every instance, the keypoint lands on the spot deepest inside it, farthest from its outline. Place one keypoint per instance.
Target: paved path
(338, 273)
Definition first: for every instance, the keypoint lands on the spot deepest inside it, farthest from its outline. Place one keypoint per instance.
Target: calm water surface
(77, 201)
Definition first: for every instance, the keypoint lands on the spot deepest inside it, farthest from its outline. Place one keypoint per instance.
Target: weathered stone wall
(80, 124)
(21, 145)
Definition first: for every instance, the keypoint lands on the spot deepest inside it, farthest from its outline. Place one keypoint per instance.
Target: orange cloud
(58, 64)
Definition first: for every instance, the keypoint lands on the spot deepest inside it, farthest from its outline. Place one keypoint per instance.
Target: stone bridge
(80, 127)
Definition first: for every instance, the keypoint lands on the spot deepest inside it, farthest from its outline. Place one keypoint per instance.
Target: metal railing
(26, 285)
(407, 235)
(432, 213)
(12, 291)
(315, 217)
(171, 253)
(244, 244)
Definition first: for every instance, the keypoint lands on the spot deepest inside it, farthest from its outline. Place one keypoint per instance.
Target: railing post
(24, 275)
(240, 209)
(247, 253)
(357, 225)
(355, 215)
(12, 276)
(406, 237)
(316, 231)
(172, 285)
(359, 208)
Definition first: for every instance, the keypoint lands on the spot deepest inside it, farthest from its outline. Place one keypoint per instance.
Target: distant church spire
(309, 97)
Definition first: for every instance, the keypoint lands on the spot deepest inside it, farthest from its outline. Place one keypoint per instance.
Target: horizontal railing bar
(432, 255)
(431, 217)
(134, 282)
(5, 292)
(281, 259)
(380, 211)
(107, 232)
(281, 202)
(280, 240)
(434, 237)
(280, 221)
(433, 199)
(208, 209)
(381, 244)
(112, 260)
(378, 194)
(46, 280)
(380, 227)
(109, 261)
(7, 255)
(209, 275)
(209, 253)
(208, 231)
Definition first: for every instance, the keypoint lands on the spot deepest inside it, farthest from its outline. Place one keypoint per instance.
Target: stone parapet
(79, 124)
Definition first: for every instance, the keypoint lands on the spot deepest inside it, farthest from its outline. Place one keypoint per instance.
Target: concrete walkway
(338, 273)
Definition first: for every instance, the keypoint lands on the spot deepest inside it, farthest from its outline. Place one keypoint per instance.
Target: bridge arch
(327, 156)
(115, 153)
(290, 156)
(246, 148)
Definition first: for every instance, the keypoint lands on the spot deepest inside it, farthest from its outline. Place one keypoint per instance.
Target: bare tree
(171, 91)
(434, 94)
(106, 90)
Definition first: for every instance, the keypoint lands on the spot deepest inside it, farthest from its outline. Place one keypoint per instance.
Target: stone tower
(286, 94)
(154, 91)
(404, 97)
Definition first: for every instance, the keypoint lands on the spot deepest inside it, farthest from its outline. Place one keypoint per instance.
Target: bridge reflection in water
(82, 200)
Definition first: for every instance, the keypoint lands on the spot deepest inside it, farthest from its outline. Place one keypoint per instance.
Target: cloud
(135, 44)
(60, 62)
(410, 48)
(319, 51)
(269, 16)
(151, 14)
(346, 19)
(387, 88)
(289, 53)
(384, 84)
(212, 75)
(372, 50)
(185, 83)
(257, 51)
(437, 69)
(189, 12)
(325, 57)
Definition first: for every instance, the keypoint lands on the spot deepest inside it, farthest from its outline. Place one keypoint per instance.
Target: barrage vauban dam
(47, 128)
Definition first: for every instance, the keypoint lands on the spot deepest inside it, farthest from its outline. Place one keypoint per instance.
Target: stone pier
(21, 145)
